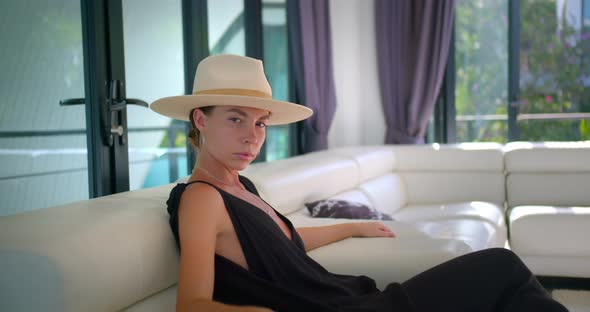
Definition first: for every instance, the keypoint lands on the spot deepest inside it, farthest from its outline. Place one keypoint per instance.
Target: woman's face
(233, 135)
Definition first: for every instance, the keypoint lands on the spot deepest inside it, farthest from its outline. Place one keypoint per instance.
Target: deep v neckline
(283, 218)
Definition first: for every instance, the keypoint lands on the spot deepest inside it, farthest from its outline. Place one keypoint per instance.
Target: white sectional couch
(548, 194)
(439, 211)
(117, 252)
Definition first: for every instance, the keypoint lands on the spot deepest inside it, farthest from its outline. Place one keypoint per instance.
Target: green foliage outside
(481, 61)
(178, 134)
(554, 71)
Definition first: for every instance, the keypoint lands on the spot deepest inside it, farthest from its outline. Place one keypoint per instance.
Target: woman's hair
(193, 134)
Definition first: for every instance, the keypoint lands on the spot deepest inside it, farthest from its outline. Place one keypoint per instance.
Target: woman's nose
(251, 136)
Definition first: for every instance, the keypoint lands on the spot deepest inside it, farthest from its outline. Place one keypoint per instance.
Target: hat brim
(179, 107)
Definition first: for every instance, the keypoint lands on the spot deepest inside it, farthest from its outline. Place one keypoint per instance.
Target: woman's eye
(236, 120)
(261, 125)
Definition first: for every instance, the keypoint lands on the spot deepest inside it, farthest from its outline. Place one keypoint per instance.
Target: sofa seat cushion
(560, 266)
(387, 259)
(475, 233)
(552, 241)
(476, 210)
(550, 231)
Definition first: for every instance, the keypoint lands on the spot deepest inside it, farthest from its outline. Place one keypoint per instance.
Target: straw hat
(231, 80)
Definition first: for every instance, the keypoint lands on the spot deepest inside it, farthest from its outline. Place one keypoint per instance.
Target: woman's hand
(317, 236)
(372, 229)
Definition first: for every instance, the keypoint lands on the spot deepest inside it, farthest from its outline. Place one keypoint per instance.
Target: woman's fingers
(375, 229)
(387, 231)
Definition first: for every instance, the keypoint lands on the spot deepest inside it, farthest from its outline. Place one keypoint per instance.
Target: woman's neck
(215, 171)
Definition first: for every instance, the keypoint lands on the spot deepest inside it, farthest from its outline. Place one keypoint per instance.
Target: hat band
(242, 92)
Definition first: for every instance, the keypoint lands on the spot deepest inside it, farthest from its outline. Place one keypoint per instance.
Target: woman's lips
(245, 156)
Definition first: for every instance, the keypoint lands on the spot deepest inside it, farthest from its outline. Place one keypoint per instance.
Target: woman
(236, 249)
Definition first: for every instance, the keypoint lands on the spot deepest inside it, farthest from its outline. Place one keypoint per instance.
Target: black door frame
(104, 62)
(195, 34)
(513, 69)
(102, 37)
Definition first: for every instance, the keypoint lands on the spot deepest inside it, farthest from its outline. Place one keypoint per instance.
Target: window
(226, 27)
(481, 70)
(554, 85)
(550, 79)
(227, 35)
(274, 28)
(152, 32)
(42, 144)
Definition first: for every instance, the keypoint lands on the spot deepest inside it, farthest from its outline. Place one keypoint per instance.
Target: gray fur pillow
(337, 208)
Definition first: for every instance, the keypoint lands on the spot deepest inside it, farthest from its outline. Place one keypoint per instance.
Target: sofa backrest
(387, 177)
(289, 183)
(102, 254)
(451, 173)
(378, 186)
(550, 173)
(373, 161)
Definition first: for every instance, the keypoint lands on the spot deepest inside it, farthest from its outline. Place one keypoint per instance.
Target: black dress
(281, 275)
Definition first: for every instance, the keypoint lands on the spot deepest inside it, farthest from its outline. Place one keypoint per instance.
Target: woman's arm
(198, 227)
(317, 236)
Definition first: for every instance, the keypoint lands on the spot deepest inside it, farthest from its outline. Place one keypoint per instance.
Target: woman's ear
(199, 118)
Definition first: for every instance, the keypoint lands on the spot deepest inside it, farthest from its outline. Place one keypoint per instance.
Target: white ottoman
(552, 241)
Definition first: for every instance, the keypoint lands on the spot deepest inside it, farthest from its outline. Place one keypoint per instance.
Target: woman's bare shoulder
(201, 196)
(200, 222)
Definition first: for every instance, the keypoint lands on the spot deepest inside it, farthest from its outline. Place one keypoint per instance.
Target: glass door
(68, 130)
(554, 71)
(481, 75)
(43, 146)
(276, 60)
(154, 68)
(226, 27)
(144, 61)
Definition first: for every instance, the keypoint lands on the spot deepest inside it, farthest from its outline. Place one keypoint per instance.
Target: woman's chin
(239, 166)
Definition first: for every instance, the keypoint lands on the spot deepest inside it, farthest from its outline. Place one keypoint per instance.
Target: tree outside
(481, 60)
(554, 71)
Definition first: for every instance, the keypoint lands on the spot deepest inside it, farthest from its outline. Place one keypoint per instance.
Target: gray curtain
(413, 38)
(311, 59)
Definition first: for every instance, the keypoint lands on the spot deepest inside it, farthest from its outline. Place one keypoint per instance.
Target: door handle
(70, 102)
(115, 104)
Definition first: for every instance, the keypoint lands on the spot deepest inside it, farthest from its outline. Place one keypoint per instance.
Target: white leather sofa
(548, 195)
(439, 211)
(117, 253)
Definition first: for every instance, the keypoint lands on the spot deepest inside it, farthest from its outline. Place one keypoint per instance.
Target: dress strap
(202, 181)
(245, 182)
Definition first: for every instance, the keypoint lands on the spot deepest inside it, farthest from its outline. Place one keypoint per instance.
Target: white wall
(358, 119)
